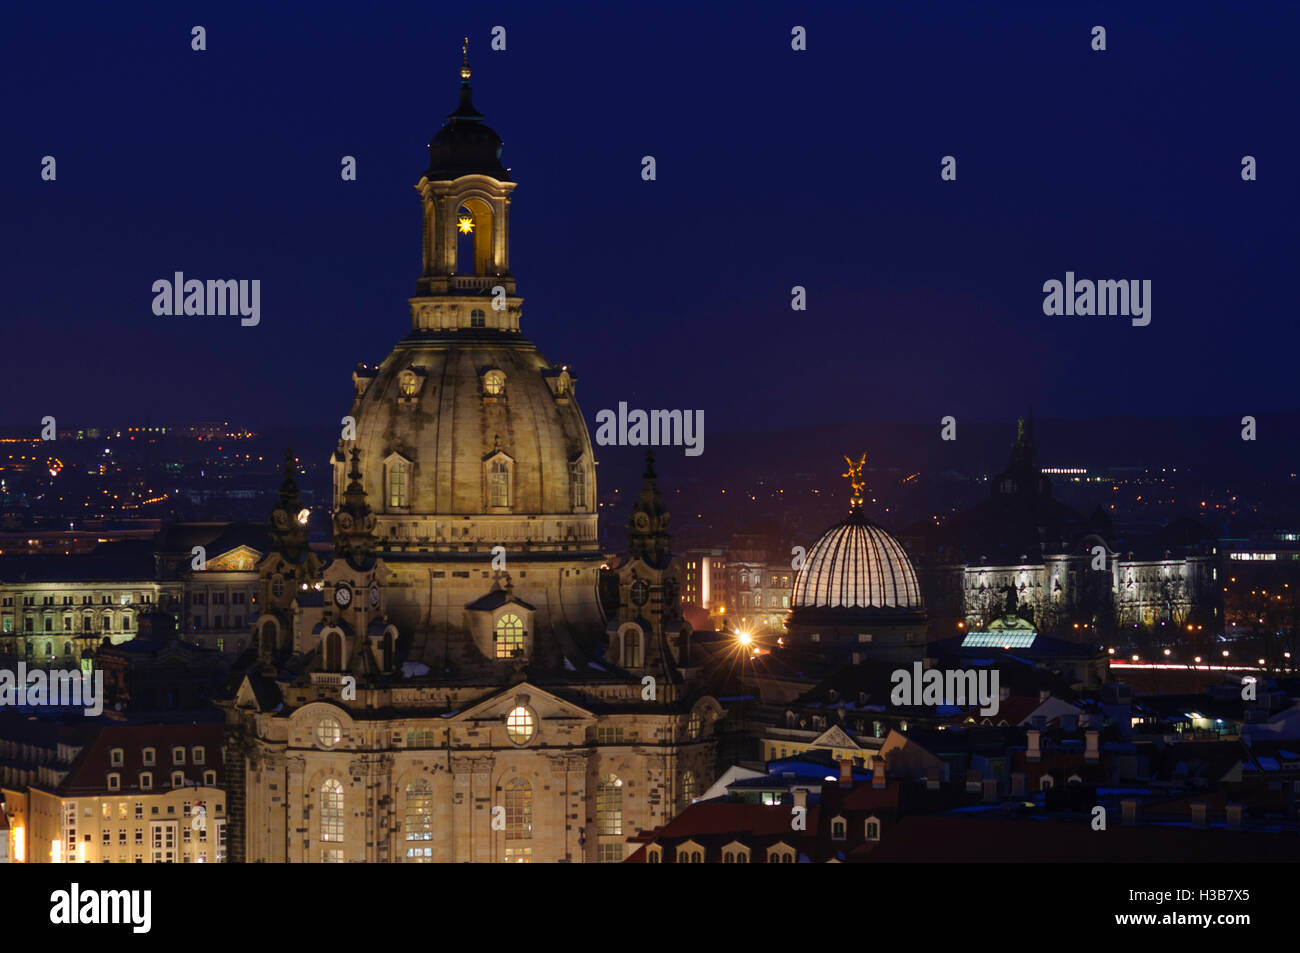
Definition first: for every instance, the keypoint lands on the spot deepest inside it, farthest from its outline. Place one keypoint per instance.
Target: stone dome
(443, 413)
(857, 565)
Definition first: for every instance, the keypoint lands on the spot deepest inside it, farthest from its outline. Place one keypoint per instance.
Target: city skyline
(821, 436)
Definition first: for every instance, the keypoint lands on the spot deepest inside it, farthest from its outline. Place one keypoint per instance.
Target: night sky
(775, 168)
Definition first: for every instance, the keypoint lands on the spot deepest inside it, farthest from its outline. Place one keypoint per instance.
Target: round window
(328, 732)
(494, 383)
(519, 725)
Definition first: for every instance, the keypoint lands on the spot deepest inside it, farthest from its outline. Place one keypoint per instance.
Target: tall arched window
(499, 484)
(609, 805)
(399, 483)
(577, 485)
(688, 788)
(509, 636)
(419, 821)
(331, 811)
(333, 652)
(519, 809)
(631, 648)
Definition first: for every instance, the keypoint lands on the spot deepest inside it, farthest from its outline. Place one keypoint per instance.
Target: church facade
(447, 684)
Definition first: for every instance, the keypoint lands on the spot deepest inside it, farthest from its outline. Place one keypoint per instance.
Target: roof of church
(465, 145)
(857, 565)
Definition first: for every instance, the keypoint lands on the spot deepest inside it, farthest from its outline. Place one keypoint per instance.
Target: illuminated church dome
(857, 588)
(467, 440)
(857, 565)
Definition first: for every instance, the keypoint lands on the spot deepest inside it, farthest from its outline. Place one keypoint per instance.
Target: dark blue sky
(775, 168)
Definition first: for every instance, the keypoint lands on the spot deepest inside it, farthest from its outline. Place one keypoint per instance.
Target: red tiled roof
(90, 772)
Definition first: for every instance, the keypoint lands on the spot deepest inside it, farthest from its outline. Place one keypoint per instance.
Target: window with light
(419, 812)
(509, 636)
(519, 725)
(331, 812)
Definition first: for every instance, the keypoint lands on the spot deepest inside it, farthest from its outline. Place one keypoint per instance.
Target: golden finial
(464, 66)
(854, 477)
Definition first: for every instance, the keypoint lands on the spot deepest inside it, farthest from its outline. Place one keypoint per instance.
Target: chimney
(1033, 753)
(800, 797)
(878, 774)
(1092, 753)
(990, 790)
(1234, 817)
(1043, 695)
(933, 777)
(846, 773)
(1199, 811)
(1130, 809)
(1019, 781)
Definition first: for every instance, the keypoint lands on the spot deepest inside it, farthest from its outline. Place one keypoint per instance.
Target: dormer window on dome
(494, 383)
(408, 384)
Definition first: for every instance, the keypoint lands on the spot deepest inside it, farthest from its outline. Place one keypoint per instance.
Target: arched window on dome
(498, 476)
(408, 383)
(577, 485)
(499, 482)
(494, 383)
(398, 482)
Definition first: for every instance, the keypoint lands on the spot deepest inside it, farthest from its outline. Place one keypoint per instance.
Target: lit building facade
(132, 794)
(447, 684)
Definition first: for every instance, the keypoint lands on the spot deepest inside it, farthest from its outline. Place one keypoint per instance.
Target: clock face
(374, 596)
(342, 596)
(642, 521)
(640, 592)
(280, 518)
(345, 521)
